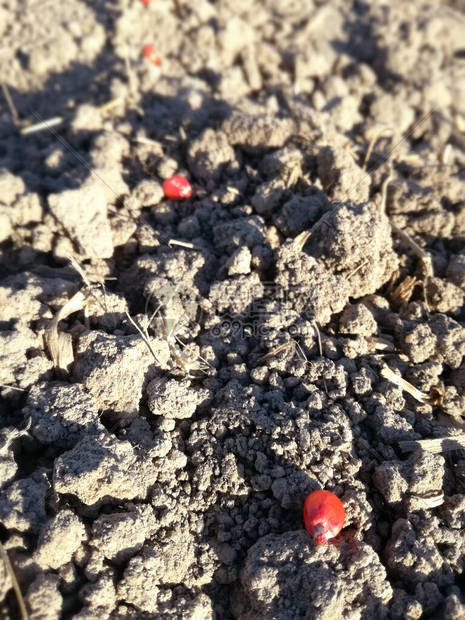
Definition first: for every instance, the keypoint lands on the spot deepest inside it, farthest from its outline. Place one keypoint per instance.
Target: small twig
(144, 338)
(90, 286)
(202, 359)
(320, 349)
(436, 446)
(143, 140)
(373, 141)
(422, 255)
(301, 351)
(301, 239)
(113, 103)
(390, 375)
(15, 584)
(384, 187)
(11, 104)
(357, 269)
(79, 269)
(129, 71)
(76, 155)
(12, 387)
(318, 336)
(276, 350)
(47, 124)
(183, 244)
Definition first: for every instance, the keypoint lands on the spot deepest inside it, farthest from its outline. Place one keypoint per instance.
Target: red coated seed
(146, 2)
(324, 515)
(151, 55)
(177, 187)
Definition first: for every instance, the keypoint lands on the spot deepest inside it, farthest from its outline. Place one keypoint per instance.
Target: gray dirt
(162, 474)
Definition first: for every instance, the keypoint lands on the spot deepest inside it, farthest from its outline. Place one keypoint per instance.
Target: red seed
(177, 187)
(324, 515)
(146, 2)
(151, 55)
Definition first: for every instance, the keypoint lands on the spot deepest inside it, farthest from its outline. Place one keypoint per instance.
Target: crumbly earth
(232, 350)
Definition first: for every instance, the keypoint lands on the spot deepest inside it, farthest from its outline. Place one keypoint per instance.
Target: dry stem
(436, 446)
(390, 375)
(276, 350)
(422, 255)
(373, 141)
(15, 584)
(11, 104)
(183, 244)
(47, 124)
(144, 338)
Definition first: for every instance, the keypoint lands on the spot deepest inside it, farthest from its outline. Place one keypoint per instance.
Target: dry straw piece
(373, 141)
(436, 446)
(14, 582)
(390, 375)
(45, 124)
(181, 360)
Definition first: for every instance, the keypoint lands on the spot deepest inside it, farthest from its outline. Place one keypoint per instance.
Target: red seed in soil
(151, 55)
(177, 187)
(324, 515)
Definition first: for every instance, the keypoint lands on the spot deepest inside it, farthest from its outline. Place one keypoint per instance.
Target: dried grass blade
(58, 343)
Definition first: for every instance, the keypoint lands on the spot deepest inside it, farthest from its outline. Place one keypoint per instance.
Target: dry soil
(164, 476)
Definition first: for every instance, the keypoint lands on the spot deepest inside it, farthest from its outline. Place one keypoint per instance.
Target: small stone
(239, 262)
